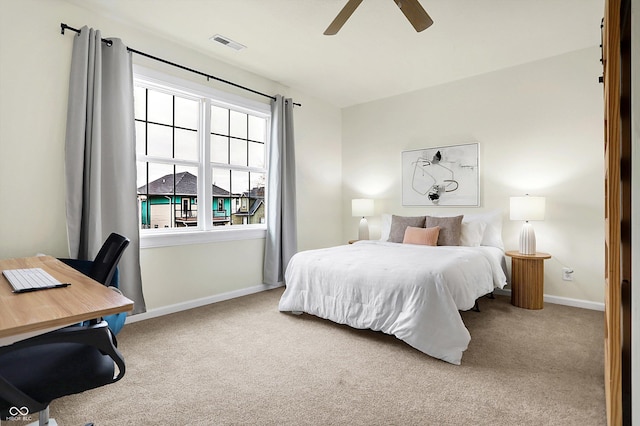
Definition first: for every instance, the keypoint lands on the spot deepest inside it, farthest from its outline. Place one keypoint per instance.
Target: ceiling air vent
(227, 42)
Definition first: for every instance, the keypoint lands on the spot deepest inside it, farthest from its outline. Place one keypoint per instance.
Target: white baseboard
(190, 304)
(558, 300)
(183, 306)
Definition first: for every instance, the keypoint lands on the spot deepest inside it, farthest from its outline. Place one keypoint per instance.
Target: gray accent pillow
(450, 228)
(399, 225)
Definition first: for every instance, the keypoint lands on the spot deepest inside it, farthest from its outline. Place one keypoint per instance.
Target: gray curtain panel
(282, 236)
(100, 159)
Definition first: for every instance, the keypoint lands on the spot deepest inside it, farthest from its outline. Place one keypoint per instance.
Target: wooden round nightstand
(527, 279)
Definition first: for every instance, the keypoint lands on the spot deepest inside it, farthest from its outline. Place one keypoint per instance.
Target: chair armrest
(98, 336)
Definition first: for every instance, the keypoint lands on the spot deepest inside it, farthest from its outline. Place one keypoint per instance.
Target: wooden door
(612, 136)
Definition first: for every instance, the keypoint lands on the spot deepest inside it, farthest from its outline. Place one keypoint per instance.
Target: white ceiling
(377, 53)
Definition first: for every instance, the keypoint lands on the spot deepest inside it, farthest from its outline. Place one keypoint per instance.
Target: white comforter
(411, 291)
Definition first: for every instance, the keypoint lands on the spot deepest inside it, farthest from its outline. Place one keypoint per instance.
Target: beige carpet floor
(242, 362)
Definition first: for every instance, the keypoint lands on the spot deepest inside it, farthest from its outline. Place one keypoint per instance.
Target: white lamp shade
(362, 207)
(527, 208)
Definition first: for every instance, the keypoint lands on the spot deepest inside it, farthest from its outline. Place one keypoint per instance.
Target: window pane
(186, 144)
(238, 152)
(160, 107)
(256, 154)
(257, 184)
(140, 138)
(141, 184)
(139, 98)
(221, 203)
(221, 182)
(160, 179)
(239, 183)
(219, 120)
(220, 149)
(141, 176)
(160, 141)
(238, 123)
(154, 194)
(187, 113)
(185, 203)
(240, 190)
(256, 195)
(257, 129)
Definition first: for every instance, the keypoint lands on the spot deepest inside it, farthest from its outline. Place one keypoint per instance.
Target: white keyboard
(30, 279)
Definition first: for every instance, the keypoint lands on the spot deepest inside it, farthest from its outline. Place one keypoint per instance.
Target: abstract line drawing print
(441, 176)
(431, 178)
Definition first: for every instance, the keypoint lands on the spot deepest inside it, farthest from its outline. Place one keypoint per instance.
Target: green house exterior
(171, 201)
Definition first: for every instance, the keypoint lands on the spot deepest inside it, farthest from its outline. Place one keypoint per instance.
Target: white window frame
(156, 80)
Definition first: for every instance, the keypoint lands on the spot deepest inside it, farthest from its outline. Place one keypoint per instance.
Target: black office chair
(106, 261)
(104, 269)
(71, 360)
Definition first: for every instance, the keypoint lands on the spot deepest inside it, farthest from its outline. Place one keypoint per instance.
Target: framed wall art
(441, 176)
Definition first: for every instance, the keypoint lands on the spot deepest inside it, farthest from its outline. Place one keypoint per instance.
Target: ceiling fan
(411, 9)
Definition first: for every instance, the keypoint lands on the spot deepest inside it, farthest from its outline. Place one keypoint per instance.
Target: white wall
(34, 76)
(318, 174)
(540, 130)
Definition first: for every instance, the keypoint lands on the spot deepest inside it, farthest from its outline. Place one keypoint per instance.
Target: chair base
(43, 419)
(52, 422)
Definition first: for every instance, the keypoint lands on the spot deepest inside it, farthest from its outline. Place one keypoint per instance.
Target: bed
(411, 291)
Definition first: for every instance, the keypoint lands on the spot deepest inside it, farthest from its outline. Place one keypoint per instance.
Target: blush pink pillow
(422, 236)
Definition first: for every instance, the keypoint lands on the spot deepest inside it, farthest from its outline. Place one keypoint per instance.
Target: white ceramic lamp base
(363, 230)
(527, 239)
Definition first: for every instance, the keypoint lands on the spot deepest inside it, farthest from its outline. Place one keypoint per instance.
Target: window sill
(155, 239)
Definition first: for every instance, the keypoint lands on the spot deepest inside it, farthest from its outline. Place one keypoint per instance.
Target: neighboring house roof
(185, 184)
(254, 207)
(257, 192)
(219, 192)
(257, 195)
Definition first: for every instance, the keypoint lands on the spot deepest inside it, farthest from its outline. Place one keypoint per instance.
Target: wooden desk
(24, 315)
(527, 279)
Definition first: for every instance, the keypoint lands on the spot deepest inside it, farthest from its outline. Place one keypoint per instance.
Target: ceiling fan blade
(415, 14)
(342, 17)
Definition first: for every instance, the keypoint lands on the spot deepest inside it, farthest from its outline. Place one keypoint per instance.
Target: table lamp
(527, 208)
(362, 207)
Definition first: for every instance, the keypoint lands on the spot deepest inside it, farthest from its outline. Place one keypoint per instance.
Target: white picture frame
(442, 176)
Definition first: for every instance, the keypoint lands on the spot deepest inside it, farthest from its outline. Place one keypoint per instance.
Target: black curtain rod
(64, 27)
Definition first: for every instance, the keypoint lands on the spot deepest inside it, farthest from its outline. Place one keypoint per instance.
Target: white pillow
(385, 226)
(471, 233)
(493, 232)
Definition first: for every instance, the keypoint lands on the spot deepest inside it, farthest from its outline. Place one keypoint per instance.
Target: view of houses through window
(192, 148)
